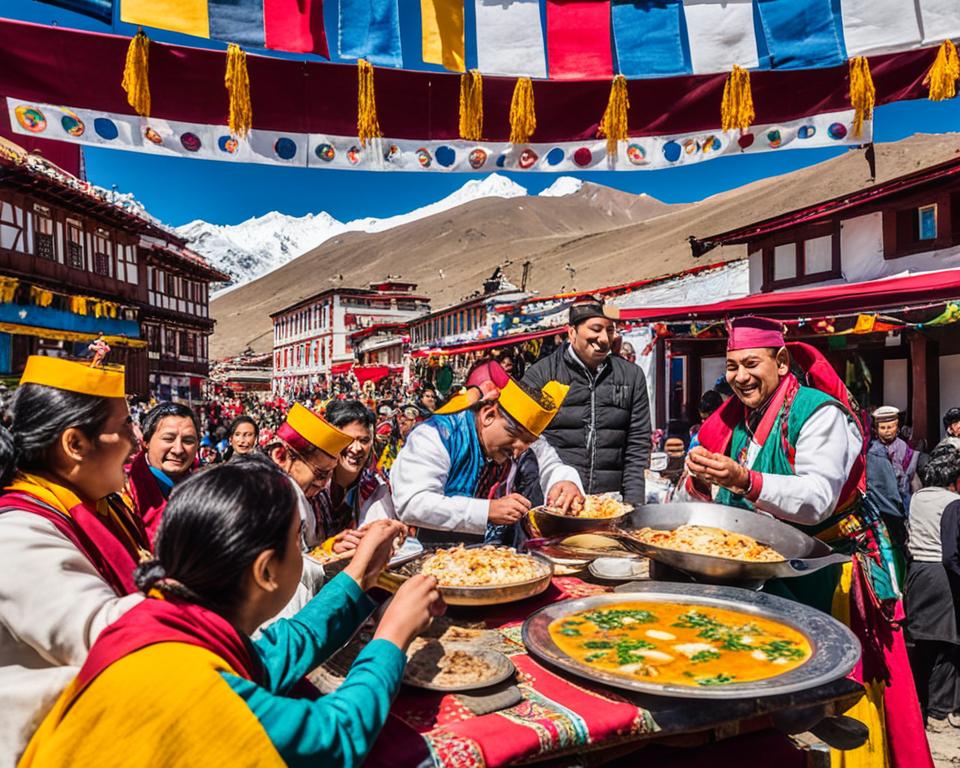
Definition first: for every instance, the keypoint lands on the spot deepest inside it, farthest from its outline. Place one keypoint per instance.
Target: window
(817, 255)
(169, 341)
(785, 262)
(927, 222)
(43, 242)
(102, 252)
(75, 255)
(812, 255)
(153, 338)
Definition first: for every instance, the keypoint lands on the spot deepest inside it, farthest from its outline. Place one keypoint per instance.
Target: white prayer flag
(721, 34)
(510, 38)
(881, 26)
(940, 19)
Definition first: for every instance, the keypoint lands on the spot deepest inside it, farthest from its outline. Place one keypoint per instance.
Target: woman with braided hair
(68, 544)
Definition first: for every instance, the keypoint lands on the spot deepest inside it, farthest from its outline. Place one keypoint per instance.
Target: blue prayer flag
(237, 21)
(98, 9)
(370, 29)
(649, 38)
(801, 34)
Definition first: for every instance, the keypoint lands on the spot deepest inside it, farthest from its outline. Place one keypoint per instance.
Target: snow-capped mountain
(264, 243)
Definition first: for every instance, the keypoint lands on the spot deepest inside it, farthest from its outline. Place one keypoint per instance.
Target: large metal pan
(543, 522)
(835, 648)
(802, 554)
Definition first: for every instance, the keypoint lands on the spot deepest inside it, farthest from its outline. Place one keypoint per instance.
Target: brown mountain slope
(609, 237)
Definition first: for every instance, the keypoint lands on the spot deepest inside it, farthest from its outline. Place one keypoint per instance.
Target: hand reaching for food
(565, 497)
(374, 551)
(411, 610)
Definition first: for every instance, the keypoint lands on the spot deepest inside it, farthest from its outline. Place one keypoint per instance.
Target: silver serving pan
(541, 521)
(802, 554)
(836, 649)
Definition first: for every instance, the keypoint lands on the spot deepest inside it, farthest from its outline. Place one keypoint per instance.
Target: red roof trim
(500, 341)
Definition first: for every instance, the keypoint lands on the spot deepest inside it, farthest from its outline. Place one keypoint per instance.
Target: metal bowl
(836, 649)
(492, 595)
(542, 522)
(802, 554)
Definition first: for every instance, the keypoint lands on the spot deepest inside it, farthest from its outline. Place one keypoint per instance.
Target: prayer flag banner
(442, 33)
(98, 9)
(721, 34)
(877, 26)
(801, 33)
(283, 25)
(370, 29)
(578, 40)
(311, 150)
(648, 37)
(510, 38)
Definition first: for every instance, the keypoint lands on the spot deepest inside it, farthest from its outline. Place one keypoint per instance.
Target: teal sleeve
(291, 648)
(338, 729)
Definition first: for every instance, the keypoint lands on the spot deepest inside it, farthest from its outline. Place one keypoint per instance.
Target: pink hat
(754, 333)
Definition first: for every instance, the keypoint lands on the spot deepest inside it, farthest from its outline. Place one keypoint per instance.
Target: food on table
(590, 541)
(481, 567)
(706, 540)
(432, 663)
(596, 507)
(677, 644)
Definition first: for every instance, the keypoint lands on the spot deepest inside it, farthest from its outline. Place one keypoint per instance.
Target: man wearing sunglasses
(453, 478)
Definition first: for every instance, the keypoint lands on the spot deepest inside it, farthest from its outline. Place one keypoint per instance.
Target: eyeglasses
(321, 476)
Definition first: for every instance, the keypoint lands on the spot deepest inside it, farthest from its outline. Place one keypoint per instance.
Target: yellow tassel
(943, 75)
(237, 82)
(614, 122)
(523, 116)
(862, 93)
(368, 127)
(136, 74)
(736, 111)
(471, 105)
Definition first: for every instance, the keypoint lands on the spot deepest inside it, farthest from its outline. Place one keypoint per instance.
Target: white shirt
(827, 447)
(53, 605)
(420, 471)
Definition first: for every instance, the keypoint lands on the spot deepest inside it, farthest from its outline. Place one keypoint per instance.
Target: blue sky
(178, 190)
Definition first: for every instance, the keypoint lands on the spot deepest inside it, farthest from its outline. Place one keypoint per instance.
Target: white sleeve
(552, 469)
(51, 596)
(378, 507)
(417, 477)
(826, 450)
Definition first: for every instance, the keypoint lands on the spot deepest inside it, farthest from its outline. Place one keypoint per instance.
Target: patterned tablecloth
(556, 716)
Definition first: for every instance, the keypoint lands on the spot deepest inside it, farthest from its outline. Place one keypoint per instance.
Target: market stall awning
(479, 346)
(872, 296)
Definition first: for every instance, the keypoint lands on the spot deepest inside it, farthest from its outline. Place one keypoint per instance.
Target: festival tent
(622, 85)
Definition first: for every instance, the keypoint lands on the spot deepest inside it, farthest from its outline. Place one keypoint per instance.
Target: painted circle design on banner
(424, 157)
(191, 142)
(285, 148)
(671, 151)
(152, 136)
(502, 161)
(554, 156)
(807, 131)
(228, 144)
(528, 159)
(774, 138)
(583, 156)
(392, 154)
(636, 154)
(691, 146)
(711, 144)
(354, 155)
(72, 124)
(106, 128)
(445, 155)
(746, 140)
(325, 152)
(31, 119)
(477, 158)
(837, 131)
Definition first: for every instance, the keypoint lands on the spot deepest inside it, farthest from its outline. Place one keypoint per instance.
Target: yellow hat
(533, 415)
(303, 430)
(73, 376)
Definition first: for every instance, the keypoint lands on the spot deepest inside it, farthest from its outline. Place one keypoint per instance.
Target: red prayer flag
(578, 40)
(295, 25)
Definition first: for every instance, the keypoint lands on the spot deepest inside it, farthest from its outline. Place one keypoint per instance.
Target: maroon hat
(754, 333)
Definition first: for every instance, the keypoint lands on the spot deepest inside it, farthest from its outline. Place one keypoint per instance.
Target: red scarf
(145, 494)
(110, 536)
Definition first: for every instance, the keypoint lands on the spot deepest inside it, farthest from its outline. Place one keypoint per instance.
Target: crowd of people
(181, 547)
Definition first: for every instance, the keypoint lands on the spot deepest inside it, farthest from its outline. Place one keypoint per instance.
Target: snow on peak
(263, 243)
(565, 185)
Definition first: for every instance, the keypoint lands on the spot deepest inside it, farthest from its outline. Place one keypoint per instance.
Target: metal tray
(802, 554)
(835, 648)
(500, 663)
(391, 580)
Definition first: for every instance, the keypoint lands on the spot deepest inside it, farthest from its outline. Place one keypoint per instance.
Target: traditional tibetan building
(313, 338)
(78, 263)
(871, 278)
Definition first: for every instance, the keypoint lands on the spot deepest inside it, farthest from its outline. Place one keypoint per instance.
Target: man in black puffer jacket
(603, 427)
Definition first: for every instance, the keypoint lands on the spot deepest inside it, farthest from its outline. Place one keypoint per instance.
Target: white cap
(886, 413)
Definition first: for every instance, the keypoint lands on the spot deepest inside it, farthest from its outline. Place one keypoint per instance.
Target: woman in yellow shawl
(178, 681)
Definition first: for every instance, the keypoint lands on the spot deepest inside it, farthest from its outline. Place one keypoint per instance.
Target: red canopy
(373, 372)
(338, 369)
(871, 296)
